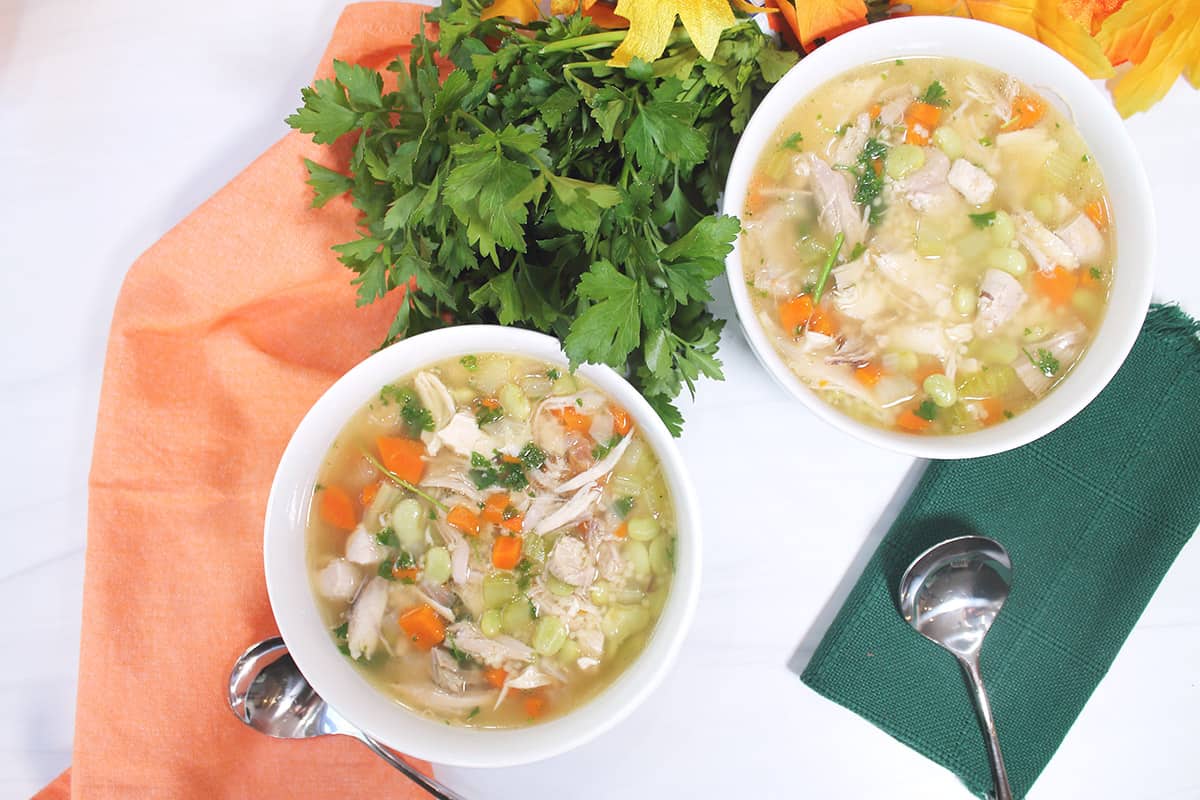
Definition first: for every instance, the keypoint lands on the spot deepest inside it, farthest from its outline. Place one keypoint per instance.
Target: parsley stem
(586, 42)
(828, 267)
(397, 479)
(472, 119)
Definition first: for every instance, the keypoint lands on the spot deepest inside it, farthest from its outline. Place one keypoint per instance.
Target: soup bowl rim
(294, 604)
(1109, 143)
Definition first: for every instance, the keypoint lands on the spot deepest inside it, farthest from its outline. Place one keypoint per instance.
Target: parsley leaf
(534, 186)
(935, 95)
(983, 220)
(532, 456)
(1046, 363)
(623, 506)
(793, 142)
(869, 188)
(927, 410)
(470, 362)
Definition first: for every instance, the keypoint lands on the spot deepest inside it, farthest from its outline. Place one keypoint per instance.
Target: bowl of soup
(947, 236)
(478, 556)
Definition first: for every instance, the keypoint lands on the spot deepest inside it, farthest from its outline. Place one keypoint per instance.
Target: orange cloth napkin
(225, 332)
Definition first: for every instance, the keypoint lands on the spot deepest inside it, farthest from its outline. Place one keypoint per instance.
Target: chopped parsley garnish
(1085, 158)
(858, 250)
(845, 126)
(553, 374)
(532, 456)
(927, 410)
(623, 506)
(986, 141)
(899, 62)
(487, 412)
(601, 450)
(868, 190)
(474, 713)
(1046, 363)
(389, 567)
(524, 578)
(339, 636)
(470, 362)
(1095, 273)
(935, 95)
(793, 142)
(496, 472)
(416, 417)
(983, 220)
(463, 659)
(387, 537)
(1008, 414)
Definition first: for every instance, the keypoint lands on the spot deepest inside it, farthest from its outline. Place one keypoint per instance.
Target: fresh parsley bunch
(536, 186)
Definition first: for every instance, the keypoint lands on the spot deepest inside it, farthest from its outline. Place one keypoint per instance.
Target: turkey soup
(490, 541)
(927, 245)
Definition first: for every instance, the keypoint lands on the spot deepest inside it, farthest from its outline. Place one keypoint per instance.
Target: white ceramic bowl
(336, 680)
(1109, 144)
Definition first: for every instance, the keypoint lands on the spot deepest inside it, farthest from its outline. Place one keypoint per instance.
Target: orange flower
(1044, 20)
(1162, 40)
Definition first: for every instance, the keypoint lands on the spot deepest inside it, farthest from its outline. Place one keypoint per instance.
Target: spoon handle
(970, 665)
(415, 775)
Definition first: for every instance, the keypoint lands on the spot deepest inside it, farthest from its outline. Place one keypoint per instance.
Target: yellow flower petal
(704, 20)
(651, 21)
(1043, 20)
(1163, 42)
(523, 11)
(650, 24)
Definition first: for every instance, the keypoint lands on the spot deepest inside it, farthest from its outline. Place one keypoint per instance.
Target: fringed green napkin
(1093, 516)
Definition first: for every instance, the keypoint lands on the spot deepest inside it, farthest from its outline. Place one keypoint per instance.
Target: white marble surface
(118, 117)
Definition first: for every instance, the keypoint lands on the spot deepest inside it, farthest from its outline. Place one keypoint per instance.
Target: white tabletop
(118, 117)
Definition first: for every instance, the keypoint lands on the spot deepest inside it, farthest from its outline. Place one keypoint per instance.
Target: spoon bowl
(268, 693)
(951, 594)
(953, 591)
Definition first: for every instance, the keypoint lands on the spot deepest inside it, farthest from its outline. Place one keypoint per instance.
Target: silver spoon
(268, 693)
(951, 594)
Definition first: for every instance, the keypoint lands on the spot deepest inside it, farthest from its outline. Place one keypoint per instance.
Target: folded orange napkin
(225, 332)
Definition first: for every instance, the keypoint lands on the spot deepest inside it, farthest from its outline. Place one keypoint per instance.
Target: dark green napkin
(1093, 516)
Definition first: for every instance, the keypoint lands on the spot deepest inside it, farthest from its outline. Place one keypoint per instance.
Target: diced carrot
(493, 507)
(1027, 110)
(464, 519)
(754, 196)
(920, 120)
(1097, 212)
(514, 523)
(993, 409)
(506, 552)
(405, 457)
(507, 459)
(367, 495)
(337, 508)
(405, 574)
(869, 374)
(490, 403)
(795, 312)
(622, 423)
(495, 676)
(1057, 284)
(534, 705)
(820, 322)
(423, 626)
(909, 421)
(877, 166)
(874, 111)
(622, 530)
(572, 419)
